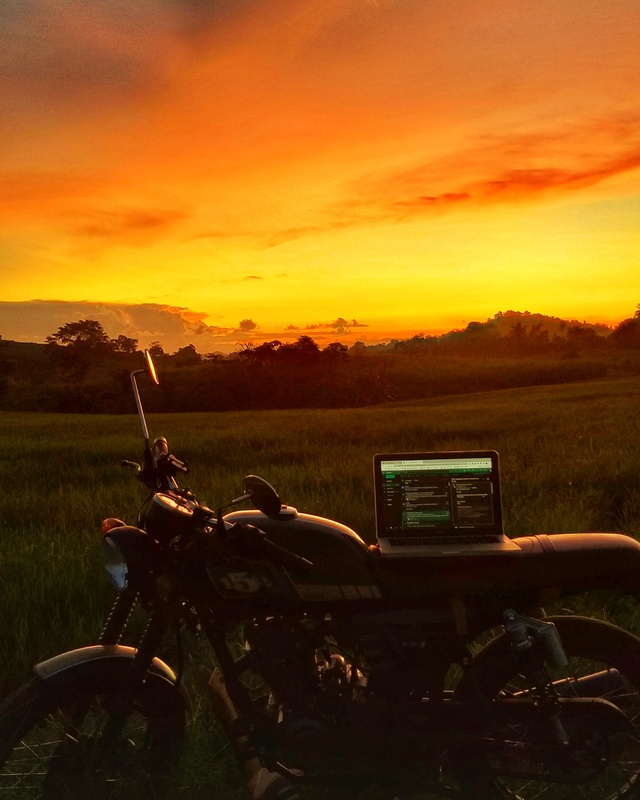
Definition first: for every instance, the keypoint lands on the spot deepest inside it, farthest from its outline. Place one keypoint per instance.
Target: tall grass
(570, 459)
(569, 455)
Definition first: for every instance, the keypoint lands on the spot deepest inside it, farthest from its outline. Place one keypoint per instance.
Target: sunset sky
(220, 171)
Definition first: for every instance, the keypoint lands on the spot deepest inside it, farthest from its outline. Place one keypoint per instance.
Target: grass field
(570, 458)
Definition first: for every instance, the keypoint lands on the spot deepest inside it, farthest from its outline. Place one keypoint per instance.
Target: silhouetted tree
(85, 334)
(156, 349)
(336, 350)
(187, 355)
(538, 339)
(124, 344)
(582, 338)
(517, 338)
(627, 333)
(263, 353)
(302, 350)
(77, 345)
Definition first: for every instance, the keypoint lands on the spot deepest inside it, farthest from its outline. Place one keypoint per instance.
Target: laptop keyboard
(404, 541)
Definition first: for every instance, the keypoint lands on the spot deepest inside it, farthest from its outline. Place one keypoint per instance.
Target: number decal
(242, 582)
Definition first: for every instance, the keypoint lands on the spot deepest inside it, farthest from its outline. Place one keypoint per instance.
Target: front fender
(70, 682)
(94, 660)
(59, 666)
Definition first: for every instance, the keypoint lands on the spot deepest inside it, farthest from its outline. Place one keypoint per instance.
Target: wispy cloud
(338, 326)
(128, 224)
(513, 167)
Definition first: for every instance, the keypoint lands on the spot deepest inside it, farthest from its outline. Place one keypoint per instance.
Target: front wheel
(82, 739)
(594, 648)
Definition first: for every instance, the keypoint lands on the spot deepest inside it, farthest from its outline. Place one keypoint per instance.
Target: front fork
(146, 650)
(118, 617)
(536, 644)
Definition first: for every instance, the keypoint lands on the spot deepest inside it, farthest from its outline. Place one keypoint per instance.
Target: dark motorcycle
(339, 670)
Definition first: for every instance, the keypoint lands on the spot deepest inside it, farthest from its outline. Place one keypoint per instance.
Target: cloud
(530, 182)
(516, 167)
(125, 224)
(338, 326)
(446, 199)
(247, 325)
(172, 326)
(342, 325)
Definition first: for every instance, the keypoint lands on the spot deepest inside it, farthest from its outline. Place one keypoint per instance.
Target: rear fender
(579, 562)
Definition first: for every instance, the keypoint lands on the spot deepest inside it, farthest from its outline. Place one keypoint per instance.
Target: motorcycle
(340, 673)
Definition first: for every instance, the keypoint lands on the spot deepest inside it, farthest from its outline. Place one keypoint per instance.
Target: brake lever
(146, 475)
(169, 465)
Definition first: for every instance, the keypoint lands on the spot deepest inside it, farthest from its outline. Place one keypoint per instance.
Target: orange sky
(212, 172)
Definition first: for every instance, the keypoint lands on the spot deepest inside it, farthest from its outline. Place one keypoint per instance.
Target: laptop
(439, 504)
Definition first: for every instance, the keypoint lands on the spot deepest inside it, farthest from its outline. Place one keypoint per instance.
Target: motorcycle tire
(52, 745)
(591, 646)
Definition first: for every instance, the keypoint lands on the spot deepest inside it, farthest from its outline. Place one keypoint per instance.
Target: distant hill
(503, 322)
(539, 330)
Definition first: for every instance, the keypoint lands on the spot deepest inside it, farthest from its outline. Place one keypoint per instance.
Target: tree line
(81, 369)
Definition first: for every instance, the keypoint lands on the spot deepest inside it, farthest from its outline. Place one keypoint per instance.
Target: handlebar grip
(160, 447)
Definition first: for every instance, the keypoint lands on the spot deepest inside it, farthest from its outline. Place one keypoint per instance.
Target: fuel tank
(342, 562)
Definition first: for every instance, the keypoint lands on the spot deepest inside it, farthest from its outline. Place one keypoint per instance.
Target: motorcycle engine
(306, 678)
(360, 689)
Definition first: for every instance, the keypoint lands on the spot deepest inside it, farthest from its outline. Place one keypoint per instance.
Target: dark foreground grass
(570, 458)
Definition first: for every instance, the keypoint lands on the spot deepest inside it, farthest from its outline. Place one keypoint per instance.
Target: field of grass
(570, 458)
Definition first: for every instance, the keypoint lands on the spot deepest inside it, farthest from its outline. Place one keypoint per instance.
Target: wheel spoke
(57, 752)
(595, 650)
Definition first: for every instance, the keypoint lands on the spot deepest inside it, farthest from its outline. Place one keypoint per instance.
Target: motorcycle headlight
(115, 563)
(131, 557)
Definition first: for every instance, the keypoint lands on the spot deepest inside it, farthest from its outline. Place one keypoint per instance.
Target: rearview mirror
(151, 368)
(262, 494)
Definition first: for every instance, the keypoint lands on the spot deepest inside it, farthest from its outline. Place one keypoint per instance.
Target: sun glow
(401, 165)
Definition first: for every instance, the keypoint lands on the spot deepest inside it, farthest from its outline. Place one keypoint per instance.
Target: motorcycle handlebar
(160, 467)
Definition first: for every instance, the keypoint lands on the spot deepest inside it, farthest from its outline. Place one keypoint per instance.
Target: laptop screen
(437, 494)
